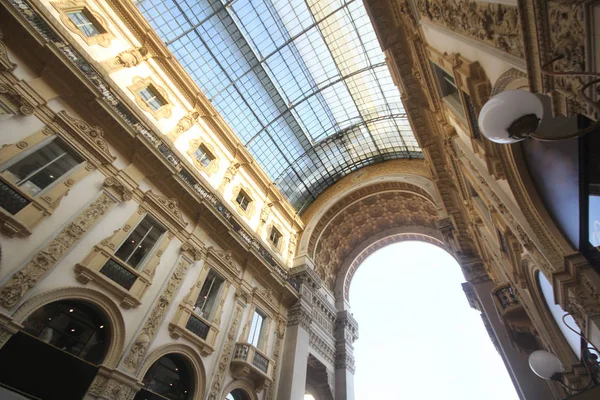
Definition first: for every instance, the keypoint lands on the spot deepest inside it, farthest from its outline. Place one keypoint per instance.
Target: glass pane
(83, 22)
(42, 167)
(208, 295)
(168, 377)
(294, 80)
(151, 98)
(256, 329)
(139, 243)
(203, 156)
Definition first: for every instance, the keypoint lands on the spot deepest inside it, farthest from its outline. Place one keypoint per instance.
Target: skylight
(303, 83)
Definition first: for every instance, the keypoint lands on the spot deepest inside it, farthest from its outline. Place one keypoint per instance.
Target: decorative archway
(240, 385)
(360, 218)
(96, 299)
(190, 355)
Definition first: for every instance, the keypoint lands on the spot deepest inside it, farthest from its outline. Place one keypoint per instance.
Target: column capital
(113, 385)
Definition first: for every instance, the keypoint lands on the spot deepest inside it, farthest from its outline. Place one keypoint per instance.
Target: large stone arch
(246, 386)
(90, 296)
(393, 174)
(374, 243)
(187, 352)
(362, 218)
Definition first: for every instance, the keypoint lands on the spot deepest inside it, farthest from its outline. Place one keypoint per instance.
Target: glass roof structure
(303, 83)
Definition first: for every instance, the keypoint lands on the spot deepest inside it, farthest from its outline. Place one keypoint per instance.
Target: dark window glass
(448, 89)
(151, 98)
(275, 236)
(73, 327)
(39, 169)
(85, 22)
(208, 295)
(243, 200)
(167, 378)
(140, 242)
(204, 156)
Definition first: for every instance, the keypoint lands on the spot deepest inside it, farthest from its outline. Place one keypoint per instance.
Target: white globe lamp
(511, 116)
(545, 364)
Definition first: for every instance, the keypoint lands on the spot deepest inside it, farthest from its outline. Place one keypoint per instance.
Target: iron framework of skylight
(303, 83)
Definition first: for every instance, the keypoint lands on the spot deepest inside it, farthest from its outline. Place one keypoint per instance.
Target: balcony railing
(11, 200)
(249, 363)
(198, 327)
(113, 102)
(119, 273)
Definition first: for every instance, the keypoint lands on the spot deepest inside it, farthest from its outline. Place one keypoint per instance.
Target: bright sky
(418, 337)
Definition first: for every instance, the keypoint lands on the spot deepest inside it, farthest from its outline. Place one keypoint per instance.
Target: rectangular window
(275, 236)
(243, 200)
(502, 239)
(204, 156)
(257, 328)
(85, 22)
(151, 97)
(448, 90)
(140, 242)
(205, 303)
(36, 171)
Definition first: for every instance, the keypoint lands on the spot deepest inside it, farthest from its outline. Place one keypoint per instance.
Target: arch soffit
(99, 300)
(325, 217)
(374, 243)
(189, 354)
(246, 386)
(414, 172)
(354, 221)
(553, 243)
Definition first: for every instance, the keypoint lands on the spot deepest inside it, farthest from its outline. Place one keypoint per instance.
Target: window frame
(140, 265)
(260, 340)
(64, 7)
(219, 292)
(208, 149)
(139, 84)
(91, 20)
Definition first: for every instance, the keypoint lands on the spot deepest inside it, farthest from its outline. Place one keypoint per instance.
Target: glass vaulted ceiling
(303, 83)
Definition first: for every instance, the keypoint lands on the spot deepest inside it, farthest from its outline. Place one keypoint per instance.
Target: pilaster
(346, 332)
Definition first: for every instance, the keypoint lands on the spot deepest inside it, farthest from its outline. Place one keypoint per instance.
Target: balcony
(250, 363)
(194, 328)
(519, 327)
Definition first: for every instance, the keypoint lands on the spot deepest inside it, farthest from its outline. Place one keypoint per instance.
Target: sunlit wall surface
(303, 83)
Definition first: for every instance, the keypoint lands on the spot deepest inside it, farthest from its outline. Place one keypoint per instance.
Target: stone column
(346, 332)
(292, 377)
(528, 385)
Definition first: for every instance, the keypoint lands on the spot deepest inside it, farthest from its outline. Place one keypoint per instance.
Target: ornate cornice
(168, 208)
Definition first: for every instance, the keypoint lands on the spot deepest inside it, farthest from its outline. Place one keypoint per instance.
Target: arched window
(168, 378)
(237, 394)
(57, 353)
(557, 312)
(71, 326)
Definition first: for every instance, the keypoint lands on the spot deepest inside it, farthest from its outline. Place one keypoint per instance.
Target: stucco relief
(495, 24)
(363, 219)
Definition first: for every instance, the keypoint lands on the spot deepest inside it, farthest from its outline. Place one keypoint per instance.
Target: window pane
(39, 169)
(256, 329)
(208, 295)
(243, 200)
(139, 243)
(203, 156)
(83, 22)
(151, 98)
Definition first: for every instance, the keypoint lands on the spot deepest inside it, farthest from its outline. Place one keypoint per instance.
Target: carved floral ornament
(5, 63)
(497, 25)
(224, 261)
(92, 142)
(167, 208)
(66, 6)
(127, 59)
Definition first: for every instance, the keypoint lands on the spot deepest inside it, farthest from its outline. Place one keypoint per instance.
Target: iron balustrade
(11, 200)
(249, 354)
(113, 102)
(118, 273)
(261, 362)
(197, 327)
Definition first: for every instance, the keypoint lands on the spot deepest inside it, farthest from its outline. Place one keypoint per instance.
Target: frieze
(23, 280)
(169, 208)
(322, 347)
(184, 124)
(497, 25)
